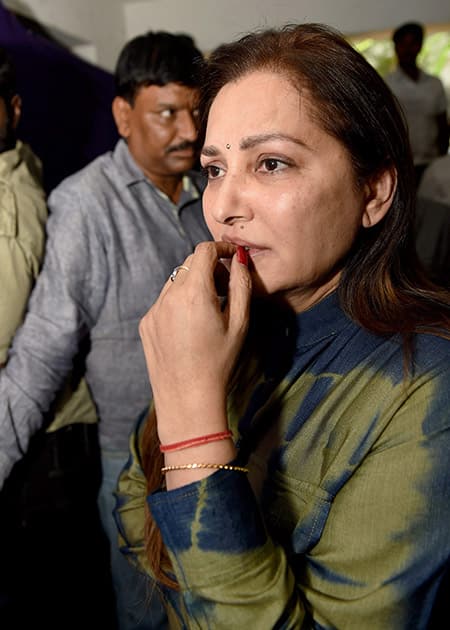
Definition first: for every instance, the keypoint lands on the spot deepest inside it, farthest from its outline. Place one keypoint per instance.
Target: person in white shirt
(421, 96)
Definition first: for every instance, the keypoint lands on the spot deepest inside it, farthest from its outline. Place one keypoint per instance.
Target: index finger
(202, 264)
(207, 255)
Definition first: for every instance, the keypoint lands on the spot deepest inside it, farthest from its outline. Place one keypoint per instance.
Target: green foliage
(433, 58)
(378, 52)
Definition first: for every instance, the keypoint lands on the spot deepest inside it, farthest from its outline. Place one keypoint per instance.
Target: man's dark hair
(410, 28)
(7, 77)
(157, 58)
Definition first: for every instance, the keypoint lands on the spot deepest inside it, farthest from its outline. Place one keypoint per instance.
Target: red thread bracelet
(203, 439)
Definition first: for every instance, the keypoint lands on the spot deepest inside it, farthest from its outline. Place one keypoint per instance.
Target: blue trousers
(137, 607)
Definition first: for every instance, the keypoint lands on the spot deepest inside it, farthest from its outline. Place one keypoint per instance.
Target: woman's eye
(272, 164)
(167, 113)
(212, 171)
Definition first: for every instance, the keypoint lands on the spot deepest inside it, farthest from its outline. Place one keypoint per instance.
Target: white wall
(98, 25)
(101, 27)
(212, 22)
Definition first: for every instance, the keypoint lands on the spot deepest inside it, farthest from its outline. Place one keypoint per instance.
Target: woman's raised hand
(191, 343)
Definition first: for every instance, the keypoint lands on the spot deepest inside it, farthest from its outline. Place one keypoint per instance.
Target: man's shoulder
(23, 207)
(430, 78)
(88, 180)
(432, 85)
(20, 165)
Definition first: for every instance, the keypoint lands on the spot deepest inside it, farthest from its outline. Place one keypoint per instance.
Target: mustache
(181, 147)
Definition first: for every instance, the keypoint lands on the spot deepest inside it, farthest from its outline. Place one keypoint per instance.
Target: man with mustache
(117, 228)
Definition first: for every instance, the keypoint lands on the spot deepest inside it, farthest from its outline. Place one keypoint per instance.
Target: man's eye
(167, 113)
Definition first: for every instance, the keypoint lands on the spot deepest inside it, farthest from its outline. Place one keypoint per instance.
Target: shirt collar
(286, 332)
(405, 77)
(9, 160)
(130, 171)
(193, 183)
(324, 319)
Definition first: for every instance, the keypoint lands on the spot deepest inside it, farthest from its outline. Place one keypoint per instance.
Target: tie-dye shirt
(344, 518)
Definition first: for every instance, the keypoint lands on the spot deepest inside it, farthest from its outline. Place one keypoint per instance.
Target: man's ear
(16, 109)
(379, 195)
(121, 111)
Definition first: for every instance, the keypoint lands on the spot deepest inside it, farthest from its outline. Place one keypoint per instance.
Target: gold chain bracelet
(167, 469)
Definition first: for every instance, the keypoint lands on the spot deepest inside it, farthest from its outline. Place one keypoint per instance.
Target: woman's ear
(379, 195)
(121, 111)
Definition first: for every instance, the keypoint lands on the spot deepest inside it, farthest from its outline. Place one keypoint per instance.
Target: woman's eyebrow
(252, 141)
(210, 151)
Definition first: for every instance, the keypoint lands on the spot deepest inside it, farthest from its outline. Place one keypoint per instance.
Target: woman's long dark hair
(382, 287)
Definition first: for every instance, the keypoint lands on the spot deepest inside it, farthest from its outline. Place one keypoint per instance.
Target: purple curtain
(66, 115)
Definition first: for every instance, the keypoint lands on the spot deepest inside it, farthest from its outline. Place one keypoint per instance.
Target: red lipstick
(242, 255)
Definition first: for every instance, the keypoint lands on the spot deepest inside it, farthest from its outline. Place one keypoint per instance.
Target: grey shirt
(113, 239)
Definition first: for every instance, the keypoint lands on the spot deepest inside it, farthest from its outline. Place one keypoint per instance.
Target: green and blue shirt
(344, 518)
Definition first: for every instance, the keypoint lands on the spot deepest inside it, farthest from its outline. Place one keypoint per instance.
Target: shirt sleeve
(22, 236)
(251, 559)
(63, 306)
(230, 571)
(130, 510)
(16, 281)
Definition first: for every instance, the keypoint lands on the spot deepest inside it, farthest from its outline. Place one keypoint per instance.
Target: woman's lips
(254, 251)
(250, 248)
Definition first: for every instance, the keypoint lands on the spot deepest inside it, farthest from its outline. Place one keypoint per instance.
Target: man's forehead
(170, 94)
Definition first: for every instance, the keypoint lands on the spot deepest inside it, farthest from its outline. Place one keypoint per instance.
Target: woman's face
(281, 186)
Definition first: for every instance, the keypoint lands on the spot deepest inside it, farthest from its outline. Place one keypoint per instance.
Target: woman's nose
(230, 199)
